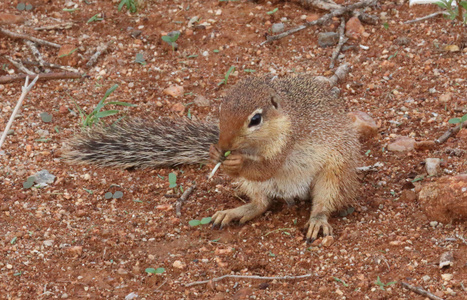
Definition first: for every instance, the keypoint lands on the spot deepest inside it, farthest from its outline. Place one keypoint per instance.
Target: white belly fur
(293, 180)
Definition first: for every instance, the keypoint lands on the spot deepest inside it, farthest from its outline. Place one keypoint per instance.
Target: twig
(16, 35)
(49, 65)
(249, 277)
(427, 17)
(366, 18)
(323, 4)
(450, 132)
(55, 26)
(335, 13)
(42, 77)
(331, 5)
(420, 291)
(101, 49)
(214, 170)
(460, 13)
(340, 74)
(20, 66)
(158, 288)
(182, 199)
(24, 91)
(36, 53)
(342, 40)
(461, 238)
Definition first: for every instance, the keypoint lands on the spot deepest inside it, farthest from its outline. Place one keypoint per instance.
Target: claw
(315, 224)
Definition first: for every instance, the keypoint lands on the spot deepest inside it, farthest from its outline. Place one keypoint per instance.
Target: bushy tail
(143, 143)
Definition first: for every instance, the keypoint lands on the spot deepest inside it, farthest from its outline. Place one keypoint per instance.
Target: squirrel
(286, 138)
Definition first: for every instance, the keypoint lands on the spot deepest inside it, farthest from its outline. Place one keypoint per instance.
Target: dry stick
(420, 291)
(24, 91)
(427, 17)
(335, 13)
(42, 77)
(249, 277)
(460, 14)
(340, 74)
(182, 199)
(323, 4)
(16, 35)
(448, 134)
(20, 66)
(35, 52)
(366, 18)
(55, 26)
(331, 5)
(158, 288)
(342, 41)
(101, 49)
(49, 65)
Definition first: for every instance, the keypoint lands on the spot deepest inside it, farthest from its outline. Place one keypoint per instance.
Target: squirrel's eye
(255, 120)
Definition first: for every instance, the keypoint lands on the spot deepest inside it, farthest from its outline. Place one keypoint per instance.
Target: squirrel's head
(252, 120)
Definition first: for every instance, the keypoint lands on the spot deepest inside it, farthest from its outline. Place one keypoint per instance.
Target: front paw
(215, 154)
(233, 164)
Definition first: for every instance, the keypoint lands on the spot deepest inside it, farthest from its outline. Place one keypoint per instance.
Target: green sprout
(203, 221)
(382, 285)
(96, 115)
(130, 5)
(272, 11)
(453, 12)
(226, 76)
(459, 121)
(171, 39)
(155, 271)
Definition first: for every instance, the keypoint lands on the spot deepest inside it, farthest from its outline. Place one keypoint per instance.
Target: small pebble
(277, 28)
(48, 243)
(179, 265)
(447, 277)
(328, 241)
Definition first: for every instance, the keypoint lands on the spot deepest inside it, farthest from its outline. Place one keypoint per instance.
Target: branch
(342, 41)
(101, 49)
(56, 26)
(16, 35)
(35, 52)
(450, 132)
(24, 91)
(322, 4)
(49, 65)
(42, 77)
(182, 199)
(340, 74)
(335, 13)
(249, 277)
(427, 17)
(420, 291)
(20, 66)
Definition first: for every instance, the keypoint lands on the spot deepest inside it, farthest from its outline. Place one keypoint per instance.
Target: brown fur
(304, 148)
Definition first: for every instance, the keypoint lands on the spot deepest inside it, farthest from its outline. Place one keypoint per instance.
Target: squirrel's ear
(275, 100)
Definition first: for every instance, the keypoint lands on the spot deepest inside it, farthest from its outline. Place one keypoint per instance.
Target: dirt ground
(67, 240)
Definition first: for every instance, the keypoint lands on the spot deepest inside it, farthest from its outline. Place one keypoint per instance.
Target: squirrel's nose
(226, 140)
